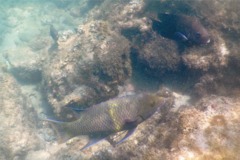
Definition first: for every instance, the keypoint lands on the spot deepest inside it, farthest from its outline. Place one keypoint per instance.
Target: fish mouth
(208, 41)
(204, 41)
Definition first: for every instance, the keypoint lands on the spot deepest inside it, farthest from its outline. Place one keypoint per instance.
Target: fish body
(183, 28)
(53, 33)
(112, 116)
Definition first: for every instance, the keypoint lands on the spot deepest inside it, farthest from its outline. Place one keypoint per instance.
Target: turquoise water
(25, 21)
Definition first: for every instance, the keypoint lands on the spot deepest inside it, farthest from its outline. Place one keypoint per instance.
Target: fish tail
(59, 129)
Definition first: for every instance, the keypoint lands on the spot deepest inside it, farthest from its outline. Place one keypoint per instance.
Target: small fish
(53, 33)
(183, 28)
(119, 114)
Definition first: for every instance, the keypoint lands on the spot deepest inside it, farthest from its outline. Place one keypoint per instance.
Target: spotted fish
(115, 115)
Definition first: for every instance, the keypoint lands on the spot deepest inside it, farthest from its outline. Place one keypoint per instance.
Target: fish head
(149, 104)
(199, 34)
(201, 37)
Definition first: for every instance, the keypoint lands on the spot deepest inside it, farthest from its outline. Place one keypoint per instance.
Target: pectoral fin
(127, 135)
(92, 141)
(180, 36)
(76, 109)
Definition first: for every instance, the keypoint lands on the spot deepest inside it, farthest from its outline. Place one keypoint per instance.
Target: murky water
(60, 55)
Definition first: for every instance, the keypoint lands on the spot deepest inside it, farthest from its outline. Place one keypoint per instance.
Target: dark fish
(182, 28)
(53, 33)
(118, 114)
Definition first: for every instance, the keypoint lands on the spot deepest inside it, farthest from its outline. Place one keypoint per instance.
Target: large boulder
(159, 56)
(24, 64)
(88, 66)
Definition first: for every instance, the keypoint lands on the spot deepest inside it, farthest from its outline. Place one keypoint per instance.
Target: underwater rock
(208, 57)
(159, 56)
(84, 7)
(221, 16)
(215, 63)
(17, 130)
(214, 132)
(25, 65)
(79, 97)
(207, 84)
(38, 155)
(26, 35)
(40, 45)
(222, 82)
(93, 62)
(123, 14)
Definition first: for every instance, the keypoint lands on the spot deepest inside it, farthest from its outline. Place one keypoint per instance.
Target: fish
(182, 28)
(53, 33)
(102, 120)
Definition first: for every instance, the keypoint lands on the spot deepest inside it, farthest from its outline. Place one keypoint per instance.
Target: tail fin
(60, 129)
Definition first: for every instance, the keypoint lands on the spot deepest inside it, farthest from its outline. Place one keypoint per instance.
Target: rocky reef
(110, 49)
(159, 59)
(18, 125)
(88, 66)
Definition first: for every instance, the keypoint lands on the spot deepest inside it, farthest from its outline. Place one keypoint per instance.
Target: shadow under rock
(182, 80)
